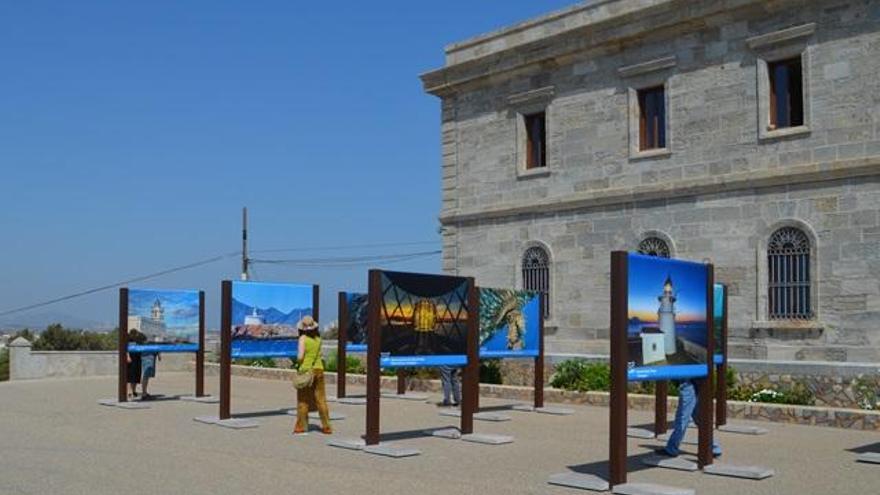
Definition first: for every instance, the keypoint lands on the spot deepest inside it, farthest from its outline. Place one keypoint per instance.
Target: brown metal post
(341, 344)
(200, 354)
(539, 361)
(471, 379)
(225, 348)
(618, 402)
(316, 302)
(704, 387)
(374, 344)
(661, 394)
(122, 354)
(721, 378)
(401, 381)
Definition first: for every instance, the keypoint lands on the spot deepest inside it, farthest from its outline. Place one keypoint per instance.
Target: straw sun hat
(306, 324)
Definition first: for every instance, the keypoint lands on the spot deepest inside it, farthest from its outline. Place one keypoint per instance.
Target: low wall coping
(88, 353)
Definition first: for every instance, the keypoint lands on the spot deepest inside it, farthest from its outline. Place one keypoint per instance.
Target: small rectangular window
(652, 118)
(786, 93)
(536, 140)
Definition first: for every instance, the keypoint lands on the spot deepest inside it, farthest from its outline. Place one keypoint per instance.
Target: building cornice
(587, 26)
(785, 176)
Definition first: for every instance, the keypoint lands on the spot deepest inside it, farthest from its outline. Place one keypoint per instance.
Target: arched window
(536, 274)
(654, 246)
(788, 266)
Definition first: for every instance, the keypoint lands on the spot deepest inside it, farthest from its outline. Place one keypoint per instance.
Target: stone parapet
(777, 413)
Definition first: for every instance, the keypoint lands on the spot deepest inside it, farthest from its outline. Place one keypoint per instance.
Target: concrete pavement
(56, 439)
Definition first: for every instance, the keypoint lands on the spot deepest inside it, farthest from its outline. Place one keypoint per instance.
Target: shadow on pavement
(865, 449)
(600, 469)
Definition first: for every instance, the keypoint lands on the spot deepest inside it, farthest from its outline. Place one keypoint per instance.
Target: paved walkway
(55, 439)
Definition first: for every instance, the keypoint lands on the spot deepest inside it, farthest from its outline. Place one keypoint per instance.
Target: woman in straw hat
(312, 396)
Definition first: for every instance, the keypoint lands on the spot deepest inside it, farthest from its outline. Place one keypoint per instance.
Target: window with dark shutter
(786, 93)
(652, 118)
(536, 140)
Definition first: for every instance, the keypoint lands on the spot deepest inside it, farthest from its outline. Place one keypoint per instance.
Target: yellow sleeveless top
(312, 355)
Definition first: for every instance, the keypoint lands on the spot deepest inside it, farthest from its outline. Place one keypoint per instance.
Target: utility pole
(244, 253)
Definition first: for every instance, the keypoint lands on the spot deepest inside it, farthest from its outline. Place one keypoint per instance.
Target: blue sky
(181, 307)
(283, 297)
(131, 134)
(647, 276)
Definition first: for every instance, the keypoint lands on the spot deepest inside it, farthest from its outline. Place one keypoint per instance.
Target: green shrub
(4, 365)
(490, 371)
(867, 391)
(353, 364)
(798, 395)
(581, 375)
(58, 338)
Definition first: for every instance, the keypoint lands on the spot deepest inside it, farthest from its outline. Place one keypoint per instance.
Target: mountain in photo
(271, 316)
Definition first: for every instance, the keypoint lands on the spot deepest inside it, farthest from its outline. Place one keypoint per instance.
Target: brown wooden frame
(721, 371)
(226, 342)
(341, 344)
(617, 448)
(470, 375)
(122, 352)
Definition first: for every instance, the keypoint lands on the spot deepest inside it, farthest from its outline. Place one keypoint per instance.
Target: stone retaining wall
(833, 384)
(27, 364)
(777, 413)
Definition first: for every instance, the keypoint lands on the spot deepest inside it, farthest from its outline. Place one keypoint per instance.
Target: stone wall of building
(718, 191)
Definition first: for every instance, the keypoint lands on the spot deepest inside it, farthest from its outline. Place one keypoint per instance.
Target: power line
(348, 260)
(120, 284)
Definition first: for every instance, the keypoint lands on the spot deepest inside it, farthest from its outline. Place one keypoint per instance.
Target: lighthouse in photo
(666, 316)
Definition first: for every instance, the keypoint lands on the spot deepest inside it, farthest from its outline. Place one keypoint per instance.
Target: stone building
(743, 132)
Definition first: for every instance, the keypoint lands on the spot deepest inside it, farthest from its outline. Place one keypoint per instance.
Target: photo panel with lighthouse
(265, 315)
(667, 329)
(163, 320)
(423, 319)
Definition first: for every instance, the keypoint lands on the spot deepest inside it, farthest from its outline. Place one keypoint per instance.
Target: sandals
(327, 431)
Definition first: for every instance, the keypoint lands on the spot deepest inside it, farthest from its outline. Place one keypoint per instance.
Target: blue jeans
(687, 410)
(451, 386)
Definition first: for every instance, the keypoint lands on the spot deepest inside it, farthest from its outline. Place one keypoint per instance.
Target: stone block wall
(717, 193)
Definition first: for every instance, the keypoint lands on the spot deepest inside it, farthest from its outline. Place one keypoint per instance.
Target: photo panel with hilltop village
(269, 311)
(423, 319)
(667, 312)
(164, 316)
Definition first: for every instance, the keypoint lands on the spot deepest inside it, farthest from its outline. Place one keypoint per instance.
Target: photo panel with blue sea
(509, 323)
(356, 326)
(163, 320)
(667, 328)
(719, 317)
(265, 315)
(423, 320)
